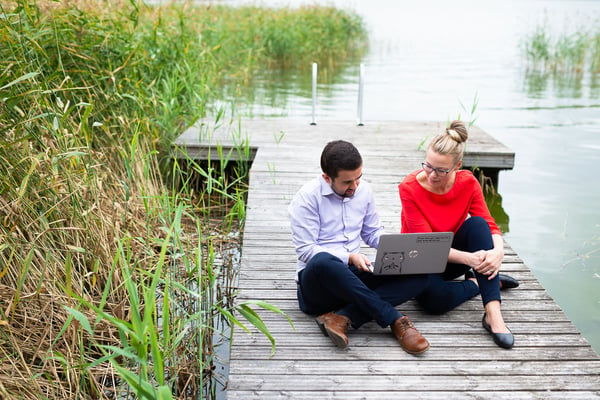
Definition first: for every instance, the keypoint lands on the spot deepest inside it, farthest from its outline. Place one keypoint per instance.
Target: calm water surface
(428, 57)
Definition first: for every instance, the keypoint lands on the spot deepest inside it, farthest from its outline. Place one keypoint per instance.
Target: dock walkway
(550, 360)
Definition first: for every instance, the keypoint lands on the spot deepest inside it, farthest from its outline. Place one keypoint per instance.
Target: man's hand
(360, 261)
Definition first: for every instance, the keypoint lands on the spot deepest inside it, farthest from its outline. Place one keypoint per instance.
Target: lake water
(428, 57)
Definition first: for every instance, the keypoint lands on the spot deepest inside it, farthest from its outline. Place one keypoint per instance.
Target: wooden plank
(400, 383)
(479, 355)
(550, 360)
(421, 367)
(413, 394)
(566, 338)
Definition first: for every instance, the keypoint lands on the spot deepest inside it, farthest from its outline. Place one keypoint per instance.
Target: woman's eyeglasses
(438, 171)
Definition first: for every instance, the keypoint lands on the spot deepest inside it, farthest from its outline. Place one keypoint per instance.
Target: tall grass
(108, 276)
(562, 61)
(567, 53)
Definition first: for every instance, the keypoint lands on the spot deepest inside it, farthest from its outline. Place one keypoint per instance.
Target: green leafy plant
(109, 279)
(470, 112)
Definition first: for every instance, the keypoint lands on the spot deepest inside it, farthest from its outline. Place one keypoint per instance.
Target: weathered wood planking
(390, 139)
(551, 359)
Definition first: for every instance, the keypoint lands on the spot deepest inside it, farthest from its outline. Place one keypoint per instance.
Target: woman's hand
(491, 259)
(473, 260)
(486, 262)
(491, 262)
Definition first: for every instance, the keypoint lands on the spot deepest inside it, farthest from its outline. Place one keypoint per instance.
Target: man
(329, 216)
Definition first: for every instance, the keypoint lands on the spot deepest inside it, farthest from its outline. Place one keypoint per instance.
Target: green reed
(595, 52)
(567, 53)
(109, 282)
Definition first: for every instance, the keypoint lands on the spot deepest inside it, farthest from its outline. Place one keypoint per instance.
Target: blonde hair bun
(452, 141)
(457, 131)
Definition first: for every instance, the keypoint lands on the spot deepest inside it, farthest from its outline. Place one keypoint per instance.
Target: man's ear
(327, 178)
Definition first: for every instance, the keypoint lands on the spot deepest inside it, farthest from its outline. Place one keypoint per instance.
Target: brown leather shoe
(335, 326)
(409, 337)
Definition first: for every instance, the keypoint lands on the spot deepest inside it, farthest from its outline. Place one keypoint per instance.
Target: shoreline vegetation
(564, 60)
(574, 53)
(113, 254)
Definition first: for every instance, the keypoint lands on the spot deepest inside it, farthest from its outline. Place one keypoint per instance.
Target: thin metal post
(360, 96)
(314, 93)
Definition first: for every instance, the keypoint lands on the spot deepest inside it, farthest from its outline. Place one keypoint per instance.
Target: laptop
(412, 253)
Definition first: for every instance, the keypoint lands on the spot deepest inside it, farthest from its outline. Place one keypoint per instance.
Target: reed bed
(568, 53)
(113, 256)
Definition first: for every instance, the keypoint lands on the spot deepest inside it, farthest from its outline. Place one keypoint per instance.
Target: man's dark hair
(339, 155)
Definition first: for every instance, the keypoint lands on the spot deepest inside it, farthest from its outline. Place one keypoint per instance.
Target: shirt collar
(326, 189)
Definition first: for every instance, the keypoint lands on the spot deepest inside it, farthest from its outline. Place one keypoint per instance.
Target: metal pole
(360, 96)
(314, 93)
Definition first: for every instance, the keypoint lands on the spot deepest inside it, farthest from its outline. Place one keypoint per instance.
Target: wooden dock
(550, 360)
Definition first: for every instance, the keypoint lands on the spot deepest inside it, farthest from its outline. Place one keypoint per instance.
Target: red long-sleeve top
(424, 211)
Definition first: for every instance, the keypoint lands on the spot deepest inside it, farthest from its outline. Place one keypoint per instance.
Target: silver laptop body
(412, 253)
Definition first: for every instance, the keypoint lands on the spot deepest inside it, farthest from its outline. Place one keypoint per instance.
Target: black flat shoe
(469, 274)
(504, 340)
(507, 282)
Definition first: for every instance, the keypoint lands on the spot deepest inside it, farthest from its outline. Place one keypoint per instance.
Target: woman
(442, 198)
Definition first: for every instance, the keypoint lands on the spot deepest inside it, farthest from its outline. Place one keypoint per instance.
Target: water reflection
(494, 203)
(536, 84)
(595, 86)
(567, 86)
(275, 92)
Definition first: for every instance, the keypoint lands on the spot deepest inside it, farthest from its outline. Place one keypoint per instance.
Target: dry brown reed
(85, 217)
(63, 259)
